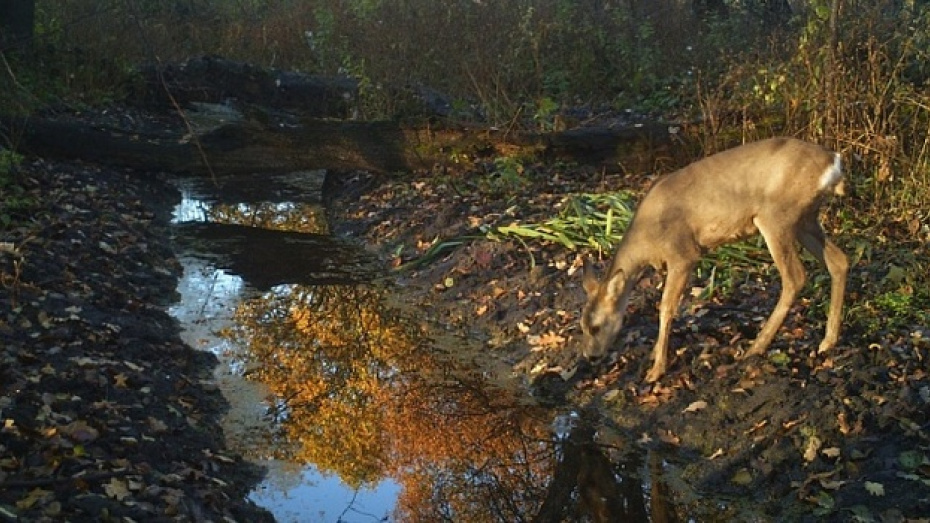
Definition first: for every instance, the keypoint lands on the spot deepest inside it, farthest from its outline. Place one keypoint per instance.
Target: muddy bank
(793, 436)
(105, 412)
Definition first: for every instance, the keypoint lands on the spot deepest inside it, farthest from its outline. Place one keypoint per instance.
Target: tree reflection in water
(368, 397)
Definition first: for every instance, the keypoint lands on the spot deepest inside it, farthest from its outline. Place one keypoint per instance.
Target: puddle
(358, 411)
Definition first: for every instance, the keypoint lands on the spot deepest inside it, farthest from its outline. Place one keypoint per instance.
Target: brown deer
(774, 187)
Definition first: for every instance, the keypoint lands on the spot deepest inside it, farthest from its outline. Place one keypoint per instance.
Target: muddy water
(359, 411)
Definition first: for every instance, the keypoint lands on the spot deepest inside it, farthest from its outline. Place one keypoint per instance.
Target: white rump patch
(833, 175)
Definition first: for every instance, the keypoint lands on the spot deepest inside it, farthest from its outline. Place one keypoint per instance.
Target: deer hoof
(653, 375)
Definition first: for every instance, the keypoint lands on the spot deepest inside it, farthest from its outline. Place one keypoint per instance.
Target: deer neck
(629, 261)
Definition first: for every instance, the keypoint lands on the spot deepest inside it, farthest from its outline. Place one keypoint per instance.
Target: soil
(841, 436)
(107, 414)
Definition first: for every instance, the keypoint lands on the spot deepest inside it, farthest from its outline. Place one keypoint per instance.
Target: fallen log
(236, 145)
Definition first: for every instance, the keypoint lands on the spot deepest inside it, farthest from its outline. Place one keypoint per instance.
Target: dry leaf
(831, 452)
(669, 437)
(813, 445)
(35, 495)
(696, 406)
(116, 489)
(121, 380)
(831, 484)
(611, 395)
(157, 425)
(549, 339)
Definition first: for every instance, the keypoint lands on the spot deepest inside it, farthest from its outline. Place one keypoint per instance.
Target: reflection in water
(359, 392)
(282, 202)
(366, 397)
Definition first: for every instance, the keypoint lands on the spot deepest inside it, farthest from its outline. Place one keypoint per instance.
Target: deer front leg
(838, 266)
(814, 240)
(675, 283)
(782, 247)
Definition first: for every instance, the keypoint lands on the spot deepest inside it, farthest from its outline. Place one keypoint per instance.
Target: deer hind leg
(678, 275)
(781, 244)
(829, 255)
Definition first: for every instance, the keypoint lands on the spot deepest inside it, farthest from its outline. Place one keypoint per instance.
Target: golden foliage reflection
(286, 216)
(368, 398)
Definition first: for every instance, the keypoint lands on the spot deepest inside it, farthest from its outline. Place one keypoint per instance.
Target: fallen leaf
(669, 437)
(831, 484)
(549, 339)
(911, 459)
(157, 425)
(742, 477)
(696, 406)
(831, 452)
(80, 431)
(35, 495)
(813, 445)
(116, 489)
(121, 380)
(875, 489)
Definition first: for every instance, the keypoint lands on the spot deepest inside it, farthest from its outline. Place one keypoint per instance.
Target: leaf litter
(104, 412)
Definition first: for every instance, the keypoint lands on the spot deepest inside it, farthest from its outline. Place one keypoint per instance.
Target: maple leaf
(121, 380)
(116, 489)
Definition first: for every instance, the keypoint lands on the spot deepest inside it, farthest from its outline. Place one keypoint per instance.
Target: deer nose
(591, 350)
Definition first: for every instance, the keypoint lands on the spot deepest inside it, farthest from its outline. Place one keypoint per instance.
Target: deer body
(773, 187)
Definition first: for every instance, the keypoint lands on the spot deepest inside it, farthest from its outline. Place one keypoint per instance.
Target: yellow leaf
(121, 380)
(813, 445)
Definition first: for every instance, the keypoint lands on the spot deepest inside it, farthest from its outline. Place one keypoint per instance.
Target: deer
(773, 187)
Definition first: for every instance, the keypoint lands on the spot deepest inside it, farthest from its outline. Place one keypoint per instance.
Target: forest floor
(796, 435)
(104, 412)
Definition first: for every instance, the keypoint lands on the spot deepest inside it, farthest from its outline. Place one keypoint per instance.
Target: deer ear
(588, 279)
